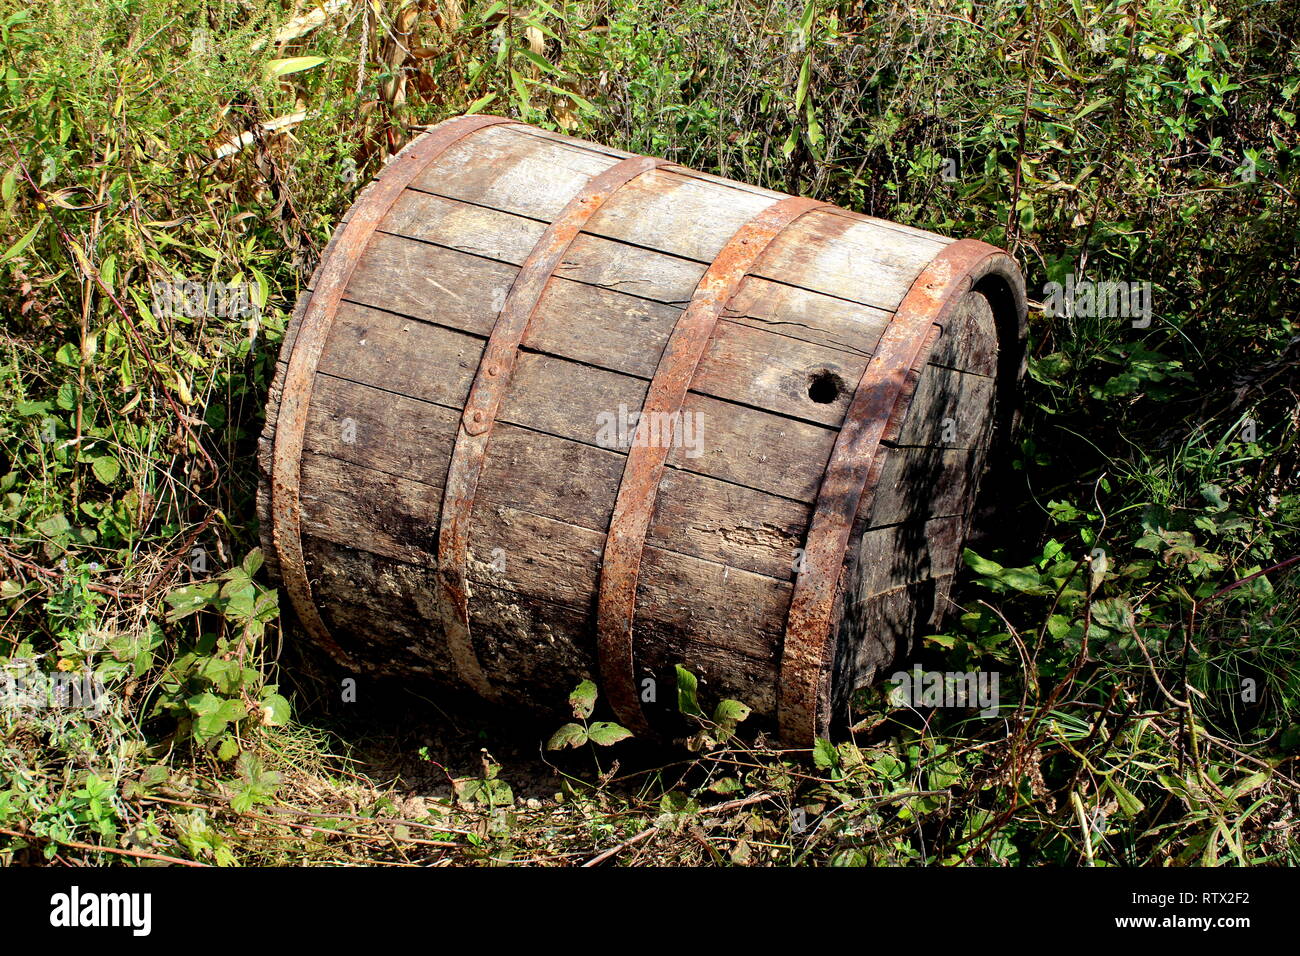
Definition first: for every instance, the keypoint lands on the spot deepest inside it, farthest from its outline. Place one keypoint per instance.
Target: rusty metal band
(313, 331)
(876, 411)
(639, 487)
(485, 395)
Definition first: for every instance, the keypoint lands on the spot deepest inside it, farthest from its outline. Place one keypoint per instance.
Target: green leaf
(604, 732)
(943, 774)
(293, 64)
(1020, 579)
(790, 143)
(1290, 739)
(804, 73)
(9, 183)
(520, 83)
(1050, 369)
(106, 468)
(253, 562)
(185, 601)
(21, 244)
(481, 103)
(226, 676)
(1058, 626)
(543, 64)
(275, 710)
(54, 526)
(583, 700)
(1249, 784)
(806, 19)
(729, 713)
(1129, 805)
(33, 409)
(213, 714)
(825, 755)
(570, 735)
(980, 565)
(490, 12)
(1115, 614)
(239, 606)
(688, 701)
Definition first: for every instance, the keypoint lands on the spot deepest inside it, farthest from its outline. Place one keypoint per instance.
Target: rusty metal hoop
(331, 283)
(639, 486)
(880, 402)
(485, 395)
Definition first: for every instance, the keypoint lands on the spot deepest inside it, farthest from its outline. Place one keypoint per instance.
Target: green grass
(1142, 611)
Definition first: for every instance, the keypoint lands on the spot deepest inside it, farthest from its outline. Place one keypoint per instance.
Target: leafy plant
(604, 733)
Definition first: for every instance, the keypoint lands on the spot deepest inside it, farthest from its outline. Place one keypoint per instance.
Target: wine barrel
(550, 411)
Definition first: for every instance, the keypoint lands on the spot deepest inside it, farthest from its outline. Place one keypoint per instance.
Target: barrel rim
(879, 405)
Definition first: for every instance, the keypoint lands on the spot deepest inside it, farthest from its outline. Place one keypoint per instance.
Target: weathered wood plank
(577, 484)
(390, 433)
(552, 476)
(884, 629)
(537, 651)
(923, 482)
(427, 361)
(732, 442)
(900, 554)
(584, 145)
(695, 515)
(504, 239)
(808, 316)
(531, 646)
(970, 339)
(948, 408)
(821, 253)
(540, 556)
(431, 282)
(789, 377)
(353, 505)
(508, 238)
(742, 364)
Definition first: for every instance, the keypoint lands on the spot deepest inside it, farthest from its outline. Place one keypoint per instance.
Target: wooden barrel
(551, 411)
